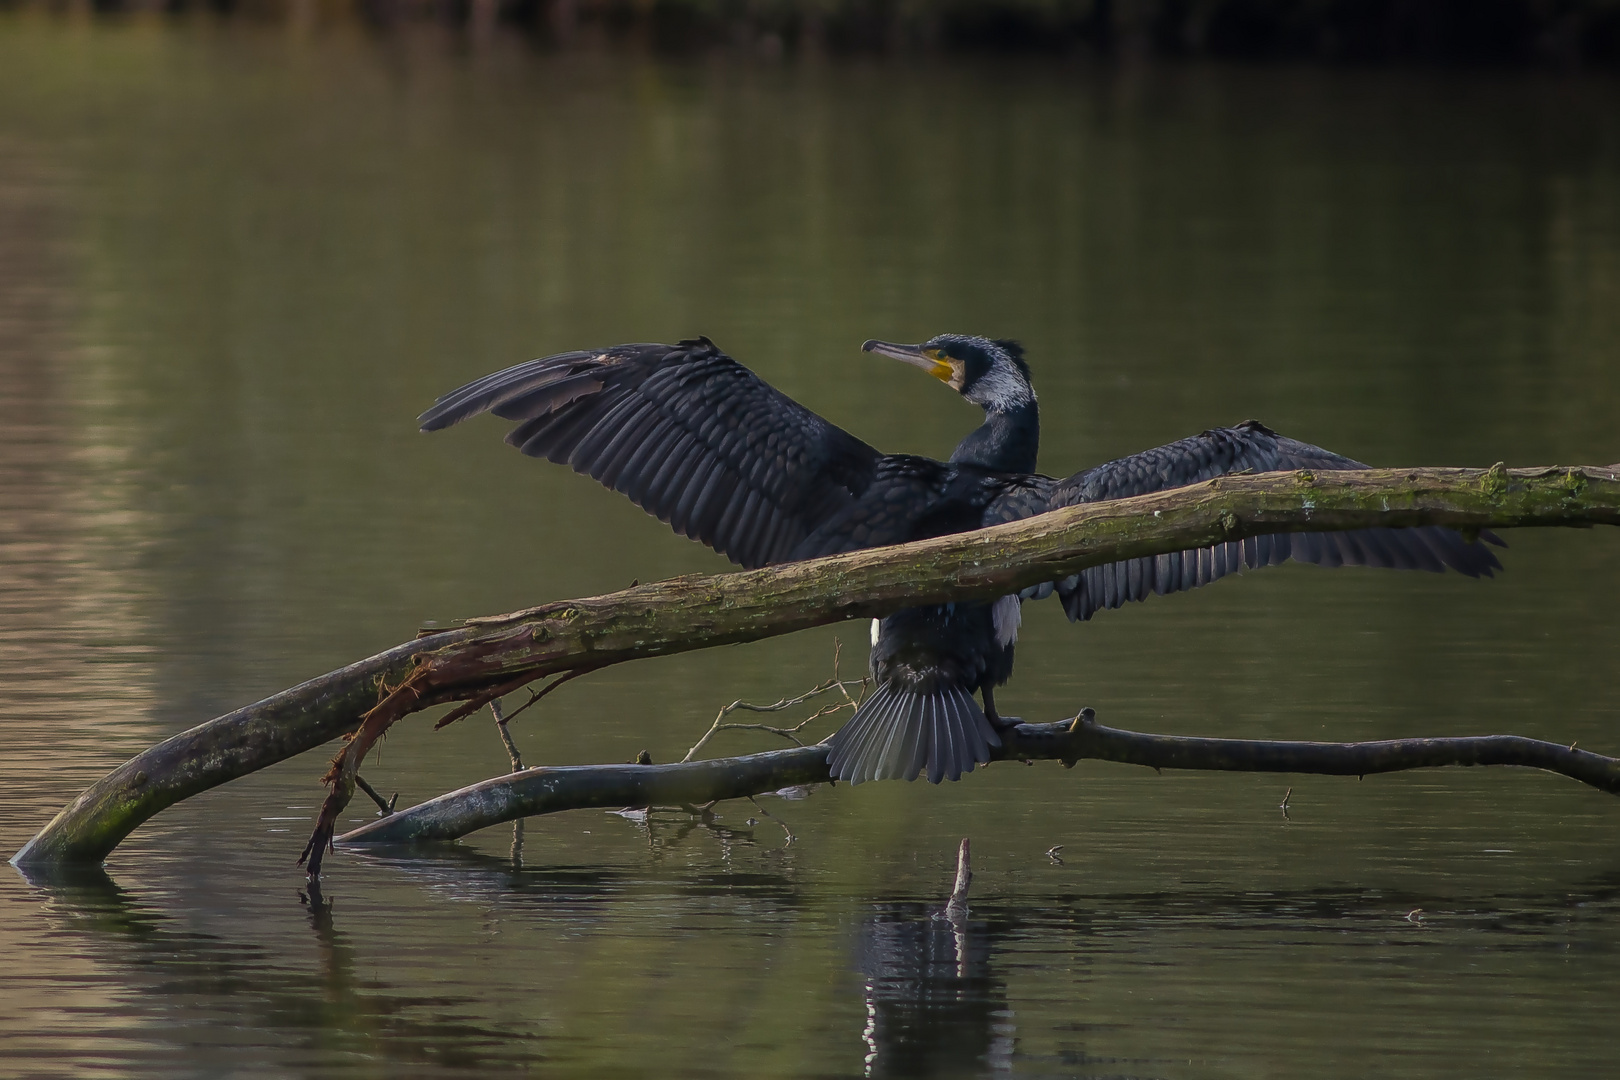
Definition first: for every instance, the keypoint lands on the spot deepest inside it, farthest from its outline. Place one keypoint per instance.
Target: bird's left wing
(1249, 446)
(690, 435)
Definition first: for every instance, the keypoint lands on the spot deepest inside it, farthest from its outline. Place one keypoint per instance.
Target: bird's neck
(1007, 441)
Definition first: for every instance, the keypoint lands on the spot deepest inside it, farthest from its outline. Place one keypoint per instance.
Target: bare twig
(792, 733)
(843, 687)
(478, 701)
(534, 697)
(506, 736)
(384, 806)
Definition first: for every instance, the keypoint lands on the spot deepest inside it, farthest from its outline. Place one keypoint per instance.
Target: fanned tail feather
(899, 734)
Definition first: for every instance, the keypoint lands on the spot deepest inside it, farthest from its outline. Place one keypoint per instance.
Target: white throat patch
(1001, 389)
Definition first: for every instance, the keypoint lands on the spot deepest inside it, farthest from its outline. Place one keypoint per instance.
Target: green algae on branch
(696, 612)
(1495, 481)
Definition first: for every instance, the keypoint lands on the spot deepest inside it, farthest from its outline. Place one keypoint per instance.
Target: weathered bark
(547, 790)
(489, 657)
(233, 745)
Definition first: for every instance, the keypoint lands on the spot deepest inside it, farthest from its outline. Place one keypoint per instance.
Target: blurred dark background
(1556, 33)
(242, 246)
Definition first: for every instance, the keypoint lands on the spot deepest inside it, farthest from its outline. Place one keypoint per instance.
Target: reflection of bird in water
(933, 1006)
(698, 440)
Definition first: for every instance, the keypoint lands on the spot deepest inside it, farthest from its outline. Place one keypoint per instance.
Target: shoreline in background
(1513, 33)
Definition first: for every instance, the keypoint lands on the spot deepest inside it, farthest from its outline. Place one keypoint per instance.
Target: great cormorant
(701, 442)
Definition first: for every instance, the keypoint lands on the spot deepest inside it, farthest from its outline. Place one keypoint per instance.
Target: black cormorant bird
(701, 442)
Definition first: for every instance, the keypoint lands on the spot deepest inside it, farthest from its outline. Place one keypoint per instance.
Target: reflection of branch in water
(704, 816)
(336, 958)
(932, 1001)
(690, 822)
(320, 909)
(173, 975)
(773, 817)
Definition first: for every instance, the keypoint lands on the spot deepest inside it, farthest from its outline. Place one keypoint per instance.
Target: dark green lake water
(236, 263)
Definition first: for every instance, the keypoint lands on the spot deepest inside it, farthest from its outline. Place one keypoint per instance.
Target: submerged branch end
(957, 907)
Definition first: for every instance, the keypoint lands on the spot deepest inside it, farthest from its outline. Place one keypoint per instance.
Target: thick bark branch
(547, 790)
(488, 656)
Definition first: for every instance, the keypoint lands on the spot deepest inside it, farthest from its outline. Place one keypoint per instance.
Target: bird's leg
(995, 718)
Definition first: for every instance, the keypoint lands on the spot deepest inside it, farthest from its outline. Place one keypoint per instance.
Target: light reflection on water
(233, 267)
(704, 967)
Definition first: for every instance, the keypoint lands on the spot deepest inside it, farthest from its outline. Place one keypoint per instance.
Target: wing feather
(616, 436)
(689, 434)
(685, 487)
(1247, 447)
(710, 502)
(646, 462)
(675, 455)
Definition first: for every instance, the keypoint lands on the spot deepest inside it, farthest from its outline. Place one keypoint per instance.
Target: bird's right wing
(1249, 446)
(690, 435)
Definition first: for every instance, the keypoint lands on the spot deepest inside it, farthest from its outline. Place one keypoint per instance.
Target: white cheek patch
(1006, 616)
(1001, 389)
(875, 624)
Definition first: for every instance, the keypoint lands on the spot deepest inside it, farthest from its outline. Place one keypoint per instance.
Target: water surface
(236, 263)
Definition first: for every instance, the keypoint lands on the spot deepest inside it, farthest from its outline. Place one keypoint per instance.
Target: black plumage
(702, 443)
(1248, 447)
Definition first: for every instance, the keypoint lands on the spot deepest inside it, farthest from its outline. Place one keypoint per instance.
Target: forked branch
(790, 733)
(486, 658)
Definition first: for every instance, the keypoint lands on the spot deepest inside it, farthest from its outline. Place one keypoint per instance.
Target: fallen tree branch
(480, 660)
(550, 789)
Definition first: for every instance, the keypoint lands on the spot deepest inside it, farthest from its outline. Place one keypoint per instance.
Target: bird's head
(989, 373)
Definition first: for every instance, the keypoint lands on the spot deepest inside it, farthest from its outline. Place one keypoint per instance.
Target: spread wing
(914, 498)
(690, 435)
(1250, 446)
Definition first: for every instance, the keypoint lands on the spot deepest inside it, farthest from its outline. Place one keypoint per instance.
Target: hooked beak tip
(914, 355)
(911, 354)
